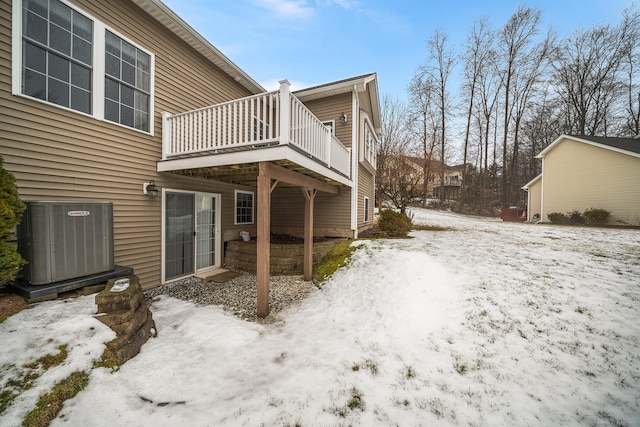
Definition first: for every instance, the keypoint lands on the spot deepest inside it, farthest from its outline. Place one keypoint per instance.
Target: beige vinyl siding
(579, 176)
(535, 200)
(58, 154)
(331, 212)
(330, 108)
(287, 210)
(365, 189)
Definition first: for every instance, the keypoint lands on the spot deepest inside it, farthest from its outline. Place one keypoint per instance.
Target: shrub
(11, 209)
(558, 218)
(596, 216)
(394, 224)
(575, 217)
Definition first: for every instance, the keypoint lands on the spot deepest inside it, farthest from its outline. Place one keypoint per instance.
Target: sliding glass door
(191, 230)
(205, 232)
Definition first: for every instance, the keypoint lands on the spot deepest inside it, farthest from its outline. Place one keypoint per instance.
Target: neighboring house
(452, 181)
(101, 98)
(582, 172)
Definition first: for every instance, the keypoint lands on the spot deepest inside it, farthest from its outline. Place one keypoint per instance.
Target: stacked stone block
(125, 312)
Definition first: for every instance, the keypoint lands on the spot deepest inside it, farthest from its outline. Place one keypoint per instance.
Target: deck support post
(263, 260)
(309, 195)
(269, 175)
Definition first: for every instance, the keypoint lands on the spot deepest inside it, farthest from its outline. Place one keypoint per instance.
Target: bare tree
(513, 43)
(540, 127)
(587, 75)
(423, 123)
(478, 61)
(632, 83)
(398, 178)
(440, 63)
(527, 84)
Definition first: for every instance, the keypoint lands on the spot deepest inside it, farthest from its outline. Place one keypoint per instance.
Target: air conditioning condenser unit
(65, 240)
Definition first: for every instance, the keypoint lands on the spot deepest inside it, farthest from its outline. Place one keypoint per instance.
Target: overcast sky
(312, 42)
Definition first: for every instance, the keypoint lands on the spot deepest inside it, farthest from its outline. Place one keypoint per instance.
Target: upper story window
(63, 56)
(57, 54)
(127, 83)
(370, 144)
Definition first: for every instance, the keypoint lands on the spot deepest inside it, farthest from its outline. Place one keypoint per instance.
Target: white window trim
(218, 219)
(331, 124)
(235, 207)
(98, 67)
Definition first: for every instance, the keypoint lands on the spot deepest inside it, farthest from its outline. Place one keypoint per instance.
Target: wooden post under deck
(263, 243)
(309, 195)
(268, 177)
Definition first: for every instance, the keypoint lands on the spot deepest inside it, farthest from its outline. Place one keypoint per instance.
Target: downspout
(355, 155)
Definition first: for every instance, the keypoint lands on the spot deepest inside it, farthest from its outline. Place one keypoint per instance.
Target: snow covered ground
(488, 323)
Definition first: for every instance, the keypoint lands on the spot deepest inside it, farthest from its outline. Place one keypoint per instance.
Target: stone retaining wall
(125, 312)
(285, 258)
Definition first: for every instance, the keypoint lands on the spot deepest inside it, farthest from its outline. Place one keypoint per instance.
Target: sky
(484, 324)
(311, 42)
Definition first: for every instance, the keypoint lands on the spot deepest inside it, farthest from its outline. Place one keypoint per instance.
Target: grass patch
(50, 404)
(425, 227)
(49, 360)
(368, 364)
(27, 375)
(356, 401)
(409, 372)
(337, 257)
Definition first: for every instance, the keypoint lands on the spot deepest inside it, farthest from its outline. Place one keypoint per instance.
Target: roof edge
(358, 83)
(170, 20)
(530, 183)
(585, 141)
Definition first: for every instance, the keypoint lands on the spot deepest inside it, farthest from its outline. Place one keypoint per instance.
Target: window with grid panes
(244, 207)
(127, 83)
(57, 54)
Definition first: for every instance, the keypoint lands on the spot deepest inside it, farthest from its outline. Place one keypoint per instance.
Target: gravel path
(237, 296)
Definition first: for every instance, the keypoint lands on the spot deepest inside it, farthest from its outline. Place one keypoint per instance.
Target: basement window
(244, 207)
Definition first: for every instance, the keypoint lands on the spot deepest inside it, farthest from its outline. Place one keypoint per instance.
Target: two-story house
(105, 101)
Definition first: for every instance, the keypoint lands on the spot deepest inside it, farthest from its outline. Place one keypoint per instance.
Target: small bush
(11, 209)
(575, 217)
(596, 216)
(394, 224)
(558, 218)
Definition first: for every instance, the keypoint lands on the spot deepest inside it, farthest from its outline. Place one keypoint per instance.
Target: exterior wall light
(343, 118)
(150, 189)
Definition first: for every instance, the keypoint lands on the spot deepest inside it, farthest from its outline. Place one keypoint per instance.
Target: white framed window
(244, 207)
(331, 124)
(127, 83)
(366, 209)
(63, 56)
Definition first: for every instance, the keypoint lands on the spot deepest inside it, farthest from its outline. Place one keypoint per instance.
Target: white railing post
(166, 134)
(328, 145)
(285, 111)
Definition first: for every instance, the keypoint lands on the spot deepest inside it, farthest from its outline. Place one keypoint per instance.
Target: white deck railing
(272, 118)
